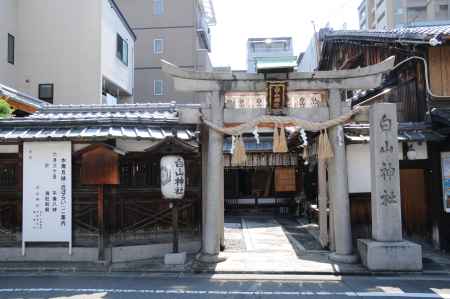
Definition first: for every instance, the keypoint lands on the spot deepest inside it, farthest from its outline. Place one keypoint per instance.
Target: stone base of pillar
(343, 258)
(175, 258)
(390, 256)
(209, 258)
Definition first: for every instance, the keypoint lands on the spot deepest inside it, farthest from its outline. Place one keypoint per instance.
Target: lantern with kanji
(173, 178)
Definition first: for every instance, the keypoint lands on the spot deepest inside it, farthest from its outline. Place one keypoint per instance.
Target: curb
(108, 271)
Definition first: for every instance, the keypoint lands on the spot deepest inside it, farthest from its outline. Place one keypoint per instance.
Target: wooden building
(118, 212)
(423, 121)
(268, 183)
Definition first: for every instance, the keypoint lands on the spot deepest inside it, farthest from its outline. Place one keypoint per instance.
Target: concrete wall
(90, 254)
(144, 88)
(112, 68)
(59, 42)
(177, 26)
(358, 163)
(140, 13)
(179, 47)
(47, 254)
(8, 24)
(134, 253)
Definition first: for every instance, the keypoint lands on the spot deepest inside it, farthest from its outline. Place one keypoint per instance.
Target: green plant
(5, 109)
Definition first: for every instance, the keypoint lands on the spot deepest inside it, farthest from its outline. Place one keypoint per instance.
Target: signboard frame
(276, 96)
(47, 193)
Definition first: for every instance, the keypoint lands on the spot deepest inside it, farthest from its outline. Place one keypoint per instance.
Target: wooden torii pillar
(216, 84)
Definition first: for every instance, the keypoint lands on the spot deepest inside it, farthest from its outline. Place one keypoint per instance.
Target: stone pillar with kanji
(386, 251)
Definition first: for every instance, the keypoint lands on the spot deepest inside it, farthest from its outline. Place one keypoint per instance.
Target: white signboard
(47, 192)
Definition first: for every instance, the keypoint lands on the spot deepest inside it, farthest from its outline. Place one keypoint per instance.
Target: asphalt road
(119, 285)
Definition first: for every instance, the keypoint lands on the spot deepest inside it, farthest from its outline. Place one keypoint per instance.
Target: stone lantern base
(390, 256)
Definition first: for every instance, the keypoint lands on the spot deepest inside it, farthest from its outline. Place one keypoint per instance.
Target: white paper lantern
(173, 177)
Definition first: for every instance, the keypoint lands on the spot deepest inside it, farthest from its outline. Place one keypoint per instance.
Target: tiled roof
(358, 133)
(139, 121)
(421, 33)
(163, 116)
(139, 113)
(9, 134)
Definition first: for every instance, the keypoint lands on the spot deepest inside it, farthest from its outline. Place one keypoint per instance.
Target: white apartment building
(308, 61)
(269, 50)
(8, 33)
(390, 14)
(174, 30)
(67, 52)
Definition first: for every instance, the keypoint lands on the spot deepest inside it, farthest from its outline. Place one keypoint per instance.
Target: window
(46, 92)
(158, 7)
(158, 88)
(122, 50)
(442, 13)
(11, 41)
(158, 46)
(381, 17)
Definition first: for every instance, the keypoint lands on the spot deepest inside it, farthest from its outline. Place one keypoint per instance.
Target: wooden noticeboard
(99, 166)
(285, 180)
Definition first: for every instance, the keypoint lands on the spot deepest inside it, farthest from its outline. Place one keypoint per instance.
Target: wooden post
(175, 226)
(101, 223)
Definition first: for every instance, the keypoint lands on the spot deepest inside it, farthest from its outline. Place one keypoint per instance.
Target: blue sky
(238, 20)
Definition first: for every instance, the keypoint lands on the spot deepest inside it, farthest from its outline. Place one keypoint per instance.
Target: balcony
(113, 94)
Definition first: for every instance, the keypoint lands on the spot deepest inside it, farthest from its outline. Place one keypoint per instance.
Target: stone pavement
(264, 245)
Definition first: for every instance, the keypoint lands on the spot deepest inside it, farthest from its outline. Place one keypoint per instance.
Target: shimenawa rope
(279, 140)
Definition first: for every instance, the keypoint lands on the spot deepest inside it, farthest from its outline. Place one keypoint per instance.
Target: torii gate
(216, 84)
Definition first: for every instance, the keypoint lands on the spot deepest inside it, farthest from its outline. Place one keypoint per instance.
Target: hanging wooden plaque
(285, 180)
(276, 91)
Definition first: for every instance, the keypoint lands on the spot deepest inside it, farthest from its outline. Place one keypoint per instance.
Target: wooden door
(415, 208)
